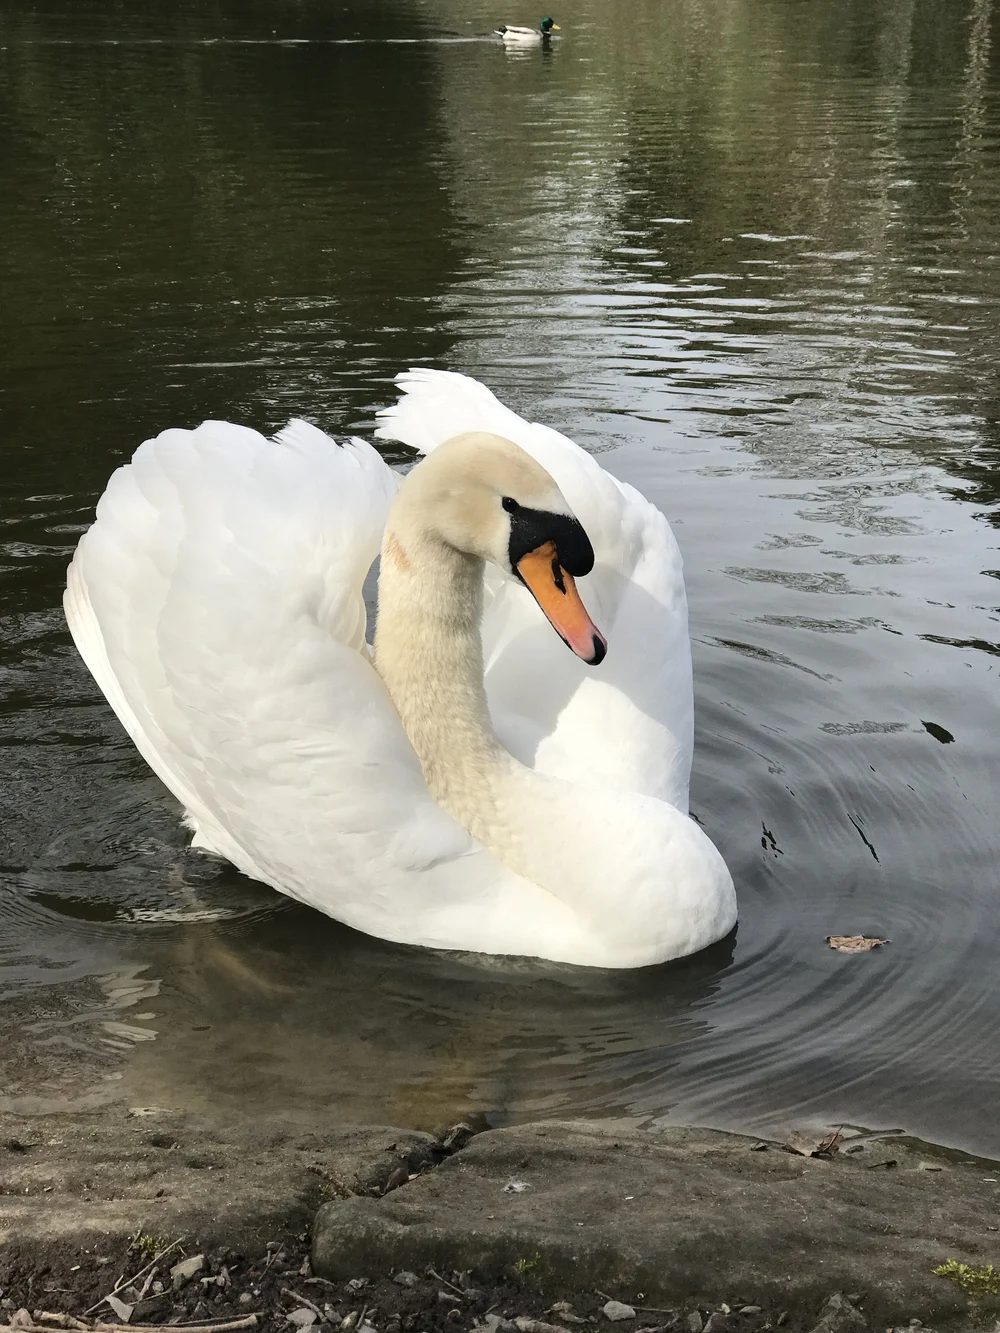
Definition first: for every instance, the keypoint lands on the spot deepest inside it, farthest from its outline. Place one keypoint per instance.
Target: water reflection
(297, 1011)
(748, 252)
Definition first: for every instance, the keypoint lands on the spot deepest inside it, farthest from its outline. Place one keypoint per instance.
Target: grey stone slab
(681, 1215)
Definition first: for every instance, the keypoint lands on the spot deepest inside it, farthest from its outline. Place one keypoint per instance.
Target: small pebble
(302, 1318)
(615, 1310)
(750, 1309)
(406, 1279)
(244, 1298)
(186, 1270)
(694, 1322)
(566, 1313)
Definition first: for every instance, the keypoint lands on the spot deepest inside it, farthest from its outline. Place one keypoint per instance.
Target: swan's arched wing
(630, 721)
(217, 601)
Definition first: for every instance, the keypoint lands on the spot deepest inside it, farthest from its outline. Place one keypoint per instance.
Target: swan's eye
(510, 504)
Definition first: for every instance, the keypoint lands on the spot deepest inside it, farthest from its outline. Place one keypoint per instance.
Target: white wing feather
(630, 723)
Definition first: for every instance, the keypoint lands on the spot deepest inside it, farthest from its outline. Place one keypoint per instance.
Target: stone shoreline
(685, 1226)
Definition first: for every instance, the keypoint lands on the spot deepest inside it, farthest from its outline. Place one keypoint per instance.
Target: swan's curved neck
(429, 653)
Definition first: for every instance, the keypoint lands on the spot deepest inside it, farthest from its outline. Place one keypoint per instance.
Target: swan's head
(485, 496)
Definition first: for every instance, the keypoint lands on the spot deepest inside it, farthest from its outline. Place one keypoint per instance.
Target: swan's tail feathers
(435, 405)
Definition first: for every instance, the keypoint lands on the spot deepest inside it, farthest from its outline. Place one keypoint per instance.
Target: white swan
(218, 602)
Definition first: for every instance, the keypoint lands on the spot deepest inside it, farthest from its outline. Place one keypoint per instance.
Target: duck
(505, 769)
(515, 36)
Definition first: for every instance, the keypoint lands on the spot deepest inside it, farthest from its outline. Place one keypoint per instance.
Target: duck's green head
(549, 25)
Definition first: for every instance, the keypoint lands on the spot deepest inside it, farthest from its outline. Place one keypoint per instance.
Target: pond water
(747, 251)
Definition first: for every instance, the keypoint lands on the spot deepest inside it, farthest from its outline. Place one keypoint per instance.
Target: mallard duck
(477, 783)
(526, 36)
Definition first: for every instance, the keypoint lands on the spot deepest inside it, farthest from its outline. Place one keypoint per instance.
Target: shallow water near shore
(745, 252)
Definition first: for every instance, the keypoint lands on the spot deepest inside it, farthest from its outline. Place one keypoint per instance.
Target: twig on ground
(271, 1258)
(150, 1276)
(446, 1282)
(287, 1291)
(248, 1321)
(23, 1322)
(124, 1282)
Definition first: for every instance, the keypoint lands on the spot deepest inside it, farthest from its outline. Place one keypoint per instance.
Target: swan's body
(515, 36)
(218, 602)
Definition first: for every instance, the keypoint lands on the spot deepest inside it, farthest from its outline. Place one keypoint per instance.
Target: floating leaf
(855, 943)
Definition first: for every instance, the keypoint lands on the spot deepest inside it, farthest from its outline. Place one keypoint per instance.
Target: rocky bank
(530, 1229)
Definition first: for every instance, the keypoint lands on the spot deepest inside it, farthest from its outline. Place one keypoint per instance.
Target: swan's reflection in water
(299, 1016)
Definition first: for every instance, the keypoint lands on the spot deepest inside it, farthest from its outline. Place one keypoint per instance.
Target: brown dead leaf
(818, 1143)
(855, 943)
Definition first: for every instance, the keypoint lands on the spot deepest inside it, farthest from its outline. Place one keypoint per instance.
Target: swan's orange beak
(555, 592)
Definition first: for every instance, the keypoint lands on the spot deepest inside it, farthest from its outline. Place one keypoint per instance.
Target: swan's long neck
(428, 651)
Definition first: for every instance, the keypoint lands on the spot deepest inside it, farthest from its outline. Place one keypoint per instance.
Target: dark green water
(748, 250)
